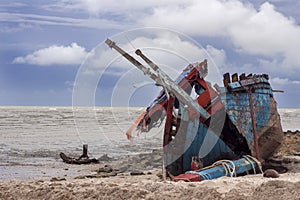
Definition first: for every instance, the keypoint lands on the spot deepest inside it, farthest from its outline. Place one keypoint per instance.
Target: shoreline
(97, 181)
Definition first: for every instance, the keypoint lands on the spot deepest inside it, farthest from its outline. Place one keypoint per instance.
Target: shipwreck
(226, 130)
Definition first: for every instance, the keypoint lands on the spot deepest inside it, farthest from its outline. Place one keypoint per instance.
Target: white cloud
(263, 32)
(284, 81)
(55, 55)
(209, 18)
(12, 5)
(280, 81)
(260, 32)
(115, 7)
(33, 20)
(170, 51)
(69, 83)
(218, 55)
(266, 32)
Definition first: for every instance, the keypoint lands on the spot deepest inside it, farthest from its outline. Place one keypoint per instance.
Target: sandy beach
(152, 187)
(140, 177)
(36, 172)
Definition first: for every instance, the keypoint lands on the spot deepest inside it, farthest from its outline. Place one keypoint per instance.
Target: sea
(34, 136)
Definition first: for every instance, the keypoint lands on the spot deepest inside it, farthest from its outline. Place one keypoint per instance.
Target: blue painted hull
(229, 168)
(238, 117)
(267, 119)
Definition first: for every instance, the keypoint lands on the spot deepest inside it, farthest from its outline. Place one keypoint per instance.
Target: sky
(48, 47)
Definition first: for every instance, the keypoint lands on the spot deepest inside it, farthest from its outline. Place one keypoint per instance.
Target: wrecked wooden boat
(223, 122)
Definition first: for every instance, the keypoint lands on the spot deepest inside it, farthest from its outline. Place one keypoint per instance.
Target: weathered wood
(84, 152)
(83, 159)
(71, 160)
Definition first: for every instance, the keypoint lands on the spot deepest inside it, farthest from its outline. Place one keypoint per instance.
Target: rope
(228, 169)
(206, 176)
(252, 164)
(257, 162)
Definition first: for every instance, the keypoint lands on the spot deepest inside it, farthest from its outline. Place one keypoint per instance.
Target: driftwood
(83, 159)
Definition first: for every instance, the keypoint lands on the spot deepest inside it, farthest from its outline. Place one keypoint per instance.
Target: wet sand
(113, 179)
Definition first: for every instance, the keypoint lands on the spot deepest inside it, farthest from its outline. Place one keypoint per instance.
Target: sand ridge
(150, 186)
